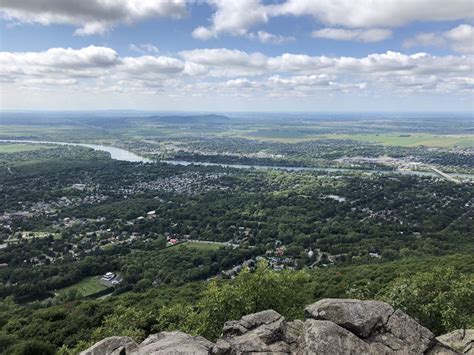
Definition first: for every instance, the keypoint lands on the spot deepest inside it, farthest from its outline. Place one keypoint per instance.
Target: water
(125, 155)
(115, 153)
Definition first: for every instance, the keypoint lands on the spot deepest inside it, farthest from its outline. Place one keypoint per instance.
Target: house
(80, 187)
(108, 276)
(279, 251)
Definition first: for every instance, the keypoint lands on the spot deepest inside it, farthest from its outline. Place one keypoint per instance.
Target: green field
(20, 147)
(200, 246)
(86, 287)
(411, 140)
(389, 139)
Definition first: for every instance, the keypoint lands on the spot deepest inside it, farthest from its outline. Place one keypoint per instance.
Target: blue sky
(229, 55)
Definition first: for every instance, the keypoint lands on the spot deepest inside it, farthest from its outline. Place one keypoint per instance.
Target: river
(115, 153)
(125, 155)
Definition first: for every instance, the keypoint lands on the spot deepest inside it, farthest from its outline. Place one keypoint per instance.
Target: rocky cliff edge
(332, 326)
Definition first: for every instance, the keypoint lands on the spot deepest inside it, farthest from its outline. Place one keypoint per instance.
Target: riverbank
(125, 155)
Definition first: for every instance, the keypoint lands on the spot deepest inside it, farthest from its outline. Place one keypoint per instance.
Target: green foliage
(31, 347)
(249, 292)
(6, 341)
(441, 300)
(181, 317)
(124, 321)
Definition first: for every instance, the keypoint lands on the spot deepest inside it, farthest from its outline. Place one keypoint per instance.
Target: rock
(360, 317)
(259, 332)
(174, 343)
(294, 330)
(441, 349)
(325, 337)
(415, 338)
(460, 339)
(112, 345)
(250, 321)
(334, 326)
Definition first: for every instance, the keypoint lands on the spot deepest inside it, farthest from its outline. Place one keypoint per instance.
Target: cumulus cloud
(240, 83)
(203, 33)
(266, 37)
(425, 39)
(233, 18)
(146, 65)
(144, 48)
(460, 38)
(210, 72)
(340, 34)
(58, 60)
(90, 16)
(237, 18)
(229, 61)
(373, 13)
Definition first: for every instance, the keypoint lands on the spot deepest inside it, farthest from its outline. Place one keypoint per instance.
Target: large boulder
(259, 332)
(325, 337)
(360, 317)
(112, 345)
(460, 339)
(377, 323)
(415, 338)
(174, 343)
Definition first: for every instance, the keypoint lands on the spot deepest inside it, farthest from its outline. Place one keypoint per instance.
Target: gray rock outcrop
(460, 339)
(112, 345)
(333, 326)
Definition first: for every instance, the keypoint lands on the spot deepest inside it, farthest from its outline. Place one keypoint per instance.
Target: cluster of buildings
(188, 183)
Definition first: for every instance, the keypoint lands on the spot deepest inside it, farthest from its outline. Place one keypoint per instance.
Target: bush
(441, 299)
(31, 347)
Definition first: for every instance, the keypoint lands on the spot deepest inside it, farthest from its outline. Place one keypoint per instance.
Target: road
(446, 176)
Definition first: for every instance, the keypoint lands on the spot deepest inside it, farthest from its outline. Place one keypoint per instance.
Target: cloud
(373, 13)
(144, 48)
(233, 62)
(149, 65)
(221, 71)
(203, 33)
(266, 37)
(425, 39)
(358, 35)
(90, 16)
(460, 39)
(237, 18)
(228, 62)
(302, 81)
(233, 18)
(241, 83)
(59, 59)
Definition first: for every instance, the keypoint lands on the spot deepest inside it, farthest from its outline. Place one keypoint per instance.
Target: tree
(31, 347)
(441, 299)
(250, 292)
(124, 321)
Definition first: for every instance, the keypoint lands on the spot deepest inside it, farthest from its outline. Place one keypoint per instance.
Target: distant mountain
(193, 119)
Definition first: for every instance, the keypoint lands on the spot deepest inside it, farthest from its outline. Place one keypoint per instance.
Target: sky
(237, 55)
